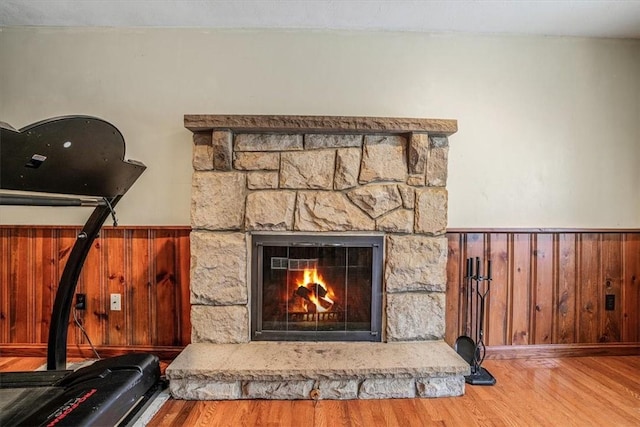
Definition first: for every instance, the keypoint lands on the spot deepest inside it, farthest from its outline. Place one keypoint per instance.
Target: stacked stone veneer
(319, 174)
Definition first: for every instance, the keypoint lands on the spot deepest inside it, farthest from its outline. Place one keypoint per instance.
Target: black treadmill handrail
(29, 200)
(58, 329)
(71, 155)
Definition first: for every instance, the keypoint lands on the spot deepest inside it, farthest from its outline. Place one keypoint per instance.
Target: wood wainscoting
(547, 295)
(148, 266)
(548, 290)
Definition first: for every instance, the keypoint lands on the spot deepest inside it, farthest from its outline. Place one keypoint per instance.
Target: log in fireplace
(316, 287)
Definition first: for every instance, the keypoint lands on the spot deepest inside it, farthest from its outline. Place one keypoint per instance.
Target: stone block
(398, 221)
(416, 180)
(347, 168)
(219, 324)
(438, 141)
(307, 169)
(415, 263)
(313, 141)
(270, 210)
(279, 390)
(431, 211)
(418, 153)
(387, 388)
(254, 161)
(262, 180)
(222, 147)
(437, 167)
(202, 151)
(218, 268)
(217, 200)
(376, 199)
(408, 195)
(267, 142)
(383, 159)
(204, 389)
(337, 389)
(415, 316)
(449, 386)
(328, 211)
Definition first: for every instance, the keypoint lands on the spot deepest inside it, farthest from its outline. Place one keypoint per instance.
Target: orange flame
(311, 277)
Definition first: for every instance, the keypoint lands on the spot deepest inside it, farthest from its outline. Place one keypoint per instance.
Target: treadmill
(72, 161)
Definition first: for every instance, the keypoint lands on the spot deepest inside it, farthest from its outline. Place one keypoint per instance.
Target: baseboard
(562, 350)
(84, 351)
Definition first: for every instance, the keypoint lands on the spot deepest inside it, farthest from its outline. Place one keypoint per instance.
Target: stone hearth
(302, 174)
(328, 370)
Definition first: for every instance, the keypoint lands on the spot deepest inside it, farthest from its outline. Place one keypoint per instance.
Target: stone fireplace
(314, 183)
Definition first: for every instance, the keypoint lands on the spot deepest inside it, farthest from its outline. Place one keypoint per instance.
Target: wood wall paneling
(565, 326)
(184, 271)
(140, 294)
(611, 287)
(544, 270)
(498, 296)
(631, 288)
(548, 288)
(588, 288)
(520, 286)
(148, 266)
(166, 294)
(5, 278)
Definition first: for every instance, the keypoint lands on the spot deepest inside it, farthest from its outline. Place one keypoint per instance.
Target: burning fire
(313, 289)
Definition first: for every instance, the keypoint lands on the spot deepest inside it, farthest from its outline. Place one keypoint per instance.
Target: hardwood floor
(579, 391)
(21, 363)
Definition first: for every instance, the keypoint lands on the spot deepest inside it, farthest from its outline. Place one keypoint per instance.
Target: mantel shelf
(317, 124)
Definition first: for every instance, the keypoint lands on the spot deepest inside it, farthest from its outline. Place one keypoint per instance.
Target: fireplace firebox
(316, 287)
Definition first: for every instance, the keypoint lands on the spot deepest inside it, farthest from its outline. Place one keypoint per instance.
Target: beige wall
(549, 127)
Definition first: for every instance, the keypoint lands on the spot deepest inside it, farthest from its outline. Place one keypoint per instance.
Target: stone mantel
(318, 124)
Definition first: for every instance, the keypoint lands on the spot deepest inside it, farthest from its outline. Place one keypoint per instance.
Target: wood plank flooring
(579, 391)
(15, 364)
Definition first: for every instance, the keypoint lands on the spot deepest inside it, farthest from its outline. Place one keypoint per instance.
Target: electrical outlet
(116, 302)
(609, 302)
(81, 302)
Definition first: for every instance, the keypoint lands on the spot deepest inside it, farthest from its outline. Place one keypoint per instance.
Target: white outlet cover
(116, 302)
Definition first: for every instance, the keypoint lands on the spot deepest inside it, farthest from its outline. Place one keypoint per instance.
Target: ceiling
(584, 18)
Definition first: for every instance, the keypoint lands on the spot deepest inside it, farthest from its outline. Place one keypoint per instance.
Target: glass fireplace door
(316, 288)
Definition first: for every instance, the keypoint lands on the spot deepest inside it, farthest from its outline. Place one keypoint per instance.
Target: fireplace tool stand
(478, 286)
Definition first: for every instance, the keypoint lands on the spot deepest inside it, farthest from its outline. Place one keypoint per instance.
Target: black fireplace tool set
(473, 350)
